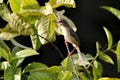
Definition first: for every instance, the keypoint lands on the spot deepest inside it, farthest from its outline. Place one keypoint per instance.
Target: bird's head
(61, 21)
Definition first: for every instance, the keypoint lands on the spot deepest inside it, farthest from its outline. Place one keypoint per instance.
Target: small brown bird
(70, 36)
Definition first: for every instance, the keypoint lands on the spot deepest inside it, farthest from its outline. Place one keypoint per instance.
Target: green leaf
(34, 67)
(19, 25)
(97, 70)
(109, 37)
(52, 3)
(86, 57)
(45, 10)
(12, 74)
(16, 62)
(46, 28)
(107, 78)
(29, 4)
(9, 74)
(15, 50)
(118, 55)
(4, 12)
(17, 74)
(8, 33)
(114, 11)
(1, 1)
(39, 67)
(4, 54)
(35, 42)
(66, 64)
(4, 65)
(82, 76)
(66, 3)
(15, 27)
(40, 76)
(106, 58)
(64, 75)
(30, 15)
(4, 46)
(15, 5)
(98, 46)
(52, 69)
(32, 12)
(26, 53)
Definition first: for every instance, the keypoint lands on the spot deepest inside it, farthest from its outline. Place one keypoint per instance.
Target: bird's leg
(73, 50)
(70, 52)
(72, 61)
(66, 44)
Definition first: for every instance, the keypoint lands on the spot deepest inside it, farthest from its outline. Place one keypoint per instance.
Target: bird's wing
(74, 36)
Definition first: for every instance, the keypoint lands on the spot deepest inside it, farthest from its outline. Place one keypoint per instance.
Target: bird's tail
(81, 57)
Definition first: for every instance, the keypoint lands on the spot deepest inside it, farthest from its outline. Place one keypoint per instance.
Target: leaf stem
(99, 53)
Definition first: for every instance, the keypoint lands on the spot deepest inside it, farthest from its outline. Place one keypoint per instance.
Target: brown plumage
(71, 37)
(68, 33)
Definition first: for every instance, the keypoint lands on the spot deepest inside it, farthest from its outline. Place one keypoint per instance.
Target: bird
(71, 37)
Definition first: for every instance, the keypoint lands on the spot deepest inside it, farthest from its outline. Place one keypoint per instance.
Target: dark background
(89, 18)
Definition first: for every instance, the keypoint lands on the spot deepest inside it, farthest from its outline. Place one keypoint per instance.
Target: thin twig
(99, 53)
(60, 53)
(72, 61)
(22, 46)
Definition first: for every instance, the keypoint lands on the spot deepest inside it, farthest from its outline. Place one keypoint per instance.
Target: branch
(72, 61)
(60, 53)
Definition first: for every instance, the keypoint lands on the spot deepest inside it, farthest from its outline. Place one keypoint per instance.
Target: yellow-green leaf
(114, 11)
(46, 28)
(106, 58)
(66, 64)
(64, 75)
(18, 24)
(40, 76)
(35, 42)
(29, 4)
(4, 65)
(118, 55)
(9, 74)
(1, 1)
(35, 66)
(15, 5)
(66, 3)
(107, 78)
(98, 46)
(4, 54)
(4, 46)
(109, 37)
(26, 53)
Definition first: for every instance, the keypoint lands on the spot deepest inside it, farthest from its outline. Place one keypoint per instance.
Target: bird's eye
(59, 21)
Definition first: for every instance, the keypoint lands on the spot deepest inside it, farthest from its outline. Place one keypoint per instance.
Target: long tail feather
(81, 57)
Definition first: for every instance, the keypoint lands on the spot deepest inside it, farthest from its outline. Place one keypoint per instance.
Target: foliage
(116, 12)
(28, 18)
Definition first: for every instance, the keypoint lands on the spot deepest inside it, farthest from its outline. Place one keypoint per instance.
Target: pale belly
(67, 36)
